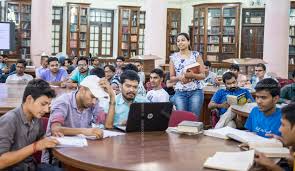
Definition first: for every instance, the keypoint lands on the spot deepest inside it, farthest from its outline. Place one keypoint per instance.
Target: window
(56, 33)
(141, 32)
(101, 32)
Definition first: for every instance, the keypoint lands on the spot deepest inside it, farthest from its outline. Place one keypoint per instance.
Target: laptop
(147, 117)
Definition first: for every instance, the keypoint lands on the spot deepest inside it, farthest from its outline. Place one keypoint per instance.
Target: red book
(195, 68)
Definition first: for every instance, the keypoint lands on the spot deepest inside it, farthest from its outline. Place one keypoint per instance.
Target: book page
(231, 160)
(73, 141)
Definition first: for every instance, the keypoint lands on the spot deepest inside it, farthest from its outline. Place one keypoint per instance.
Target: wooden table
(11, 95)
(155, 151)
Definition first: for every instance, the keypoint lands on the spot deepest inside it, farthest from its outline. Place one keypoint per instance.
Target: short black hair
(139, 61)
(261, 65)
(293, 74)
(98, 72)
(234, 67)
(270, 85)
(130, 67)
(52, 59)
(82, 58)
(120, 58)
(288, 113)
(129, 75)
(111, 67)
(37, 88)
(228, 76)
(22, 61)
(185, 35)
(158, 71)
(93, 58)
(4, 56)
(207, 63)
(69, 61)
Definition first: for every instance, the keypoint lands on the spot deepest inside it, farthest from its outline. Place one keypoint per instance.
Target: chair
(214, 117)
(284, 82)
(178, 116)
(38, 154)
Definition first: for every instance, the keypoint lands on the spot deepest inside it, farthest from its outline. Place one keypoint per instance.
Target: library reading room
(147, 85)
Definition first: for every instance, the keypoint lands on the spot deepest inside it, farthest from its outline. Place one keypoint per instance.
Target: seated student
(54, 75)
(44, 65)
(73, 113)
(129, 85)
(241, 79)
(78, 75)
(210, 76)
(119, 65)
(139, 65)
(157, 94)
(95, 62)
(260, 73)
(141, 90)
(265, 118)
(19, 76)
(67, 64)
(287, 94)
(287, 130)
(21, 128)
(219, 100)
(113, 78)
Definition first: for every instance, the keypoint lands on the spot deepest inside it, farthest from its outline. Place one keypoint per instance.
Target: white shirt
(157, 96)
(14, 78)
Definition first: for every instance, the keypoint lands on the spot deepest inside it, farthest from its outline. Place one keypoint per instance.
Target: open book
(241, 136)
(195, 68)
(71, 141)
(236, 100)
(106, 134)
(241, 161)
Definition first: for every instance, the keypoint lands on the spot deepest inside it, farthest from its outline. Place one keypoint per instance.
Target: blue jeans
(191, 101)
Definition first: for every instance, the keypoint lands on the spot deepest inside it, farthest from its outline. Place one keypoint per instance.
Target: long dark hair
(187, 38)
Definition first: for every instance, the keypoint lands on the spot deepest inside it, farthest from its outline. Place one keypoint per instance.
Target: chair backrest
(284, 82)
(178, 116)
(38, 154)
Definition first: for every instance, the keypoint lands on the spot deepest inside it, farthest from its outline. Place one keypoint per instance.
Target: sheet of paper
(73, 141)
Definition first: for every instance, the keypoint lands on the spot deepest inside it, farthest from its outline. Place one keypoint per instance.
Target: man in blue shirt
(78, 76)
(265, 118)
(129, 85)
(219, 100)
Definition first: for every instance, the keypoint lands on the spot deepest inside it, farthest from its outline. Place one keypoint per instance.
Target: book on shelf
(241, 161)
(133, 46)
(133, 38)
(133, 30)
(194, 67)
(240, 99)
(124, 30)
(124, 46)
(190, 127)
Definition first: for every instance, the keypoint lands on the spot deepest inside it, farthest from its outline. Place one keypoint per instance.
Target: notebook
(71, 141)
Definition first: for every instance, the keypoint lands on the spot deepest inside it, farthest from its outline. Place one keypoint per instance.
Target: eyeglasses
(258, 70)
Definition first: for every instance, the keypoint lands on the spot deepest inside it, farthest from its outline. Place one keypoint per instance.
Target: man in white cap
(75, 113)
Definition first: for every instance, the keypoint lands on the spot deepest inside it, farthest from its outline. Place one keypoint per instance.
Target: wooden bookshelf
(128, 31)
(292, 35)
(252, 33)
(216, 30)
(19, 12)
(78, 29)
(173, 28)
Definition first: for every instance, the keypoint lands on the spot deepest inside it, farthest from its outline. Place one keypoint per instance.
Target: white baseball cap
(92, 82)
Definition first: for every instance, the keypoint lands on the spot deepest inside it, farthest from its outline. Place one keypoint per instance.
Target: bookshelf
(252, 33)
(141, 33)
(128, 31)
(78, 29)
(173, 28)
(19, 12)
(292, 34)
(216, 30)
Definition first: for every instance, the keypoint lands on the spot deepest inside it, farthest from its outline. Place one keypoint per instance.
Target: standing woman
(189, 95)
